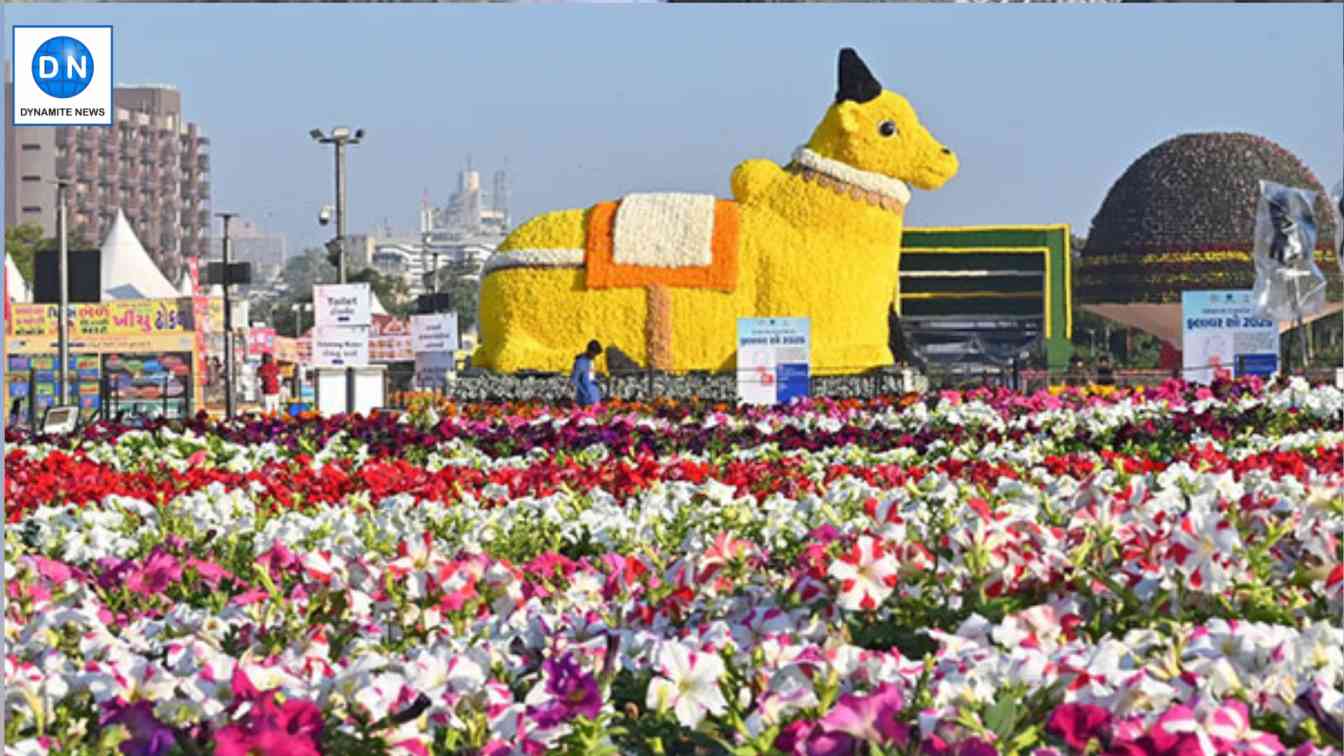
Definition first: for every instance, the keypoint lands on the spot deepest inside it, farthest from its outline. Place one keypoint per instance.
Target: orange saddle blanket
(604, 272)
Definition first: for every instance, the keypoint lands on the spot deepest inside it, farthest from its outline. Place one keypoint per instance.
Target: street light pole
(340, 137)
(229, 398)
(63, 319)
(340, 207)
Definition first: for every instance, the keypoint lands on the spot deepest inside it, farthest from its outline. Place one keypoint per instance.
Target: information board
(341, 346)
(1220, 332)
(342, 305)
(774, 359)
(434, 333)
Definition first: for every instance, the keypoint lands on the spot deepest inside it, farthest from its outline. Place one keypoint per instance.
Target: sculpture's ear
(849, 116)
(856, 82)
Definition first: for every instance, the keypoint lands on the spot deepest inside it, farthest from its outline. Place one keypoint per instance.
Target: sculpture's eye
(887, 128)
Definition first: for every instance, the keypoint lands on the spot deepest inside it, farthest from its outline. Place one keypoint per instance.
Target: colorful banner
(298, 351)
(391, 349)
(774, 358)
(260, 341)
(139, 381)
(137, 317)
(1220, 330)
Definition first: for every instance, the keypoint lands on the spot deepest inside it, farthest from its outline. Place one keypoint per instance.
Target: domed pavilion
(1182, 218)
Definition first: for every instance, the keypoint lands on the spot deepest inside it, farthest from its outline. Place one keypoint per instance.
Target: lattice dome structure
(1182, 217)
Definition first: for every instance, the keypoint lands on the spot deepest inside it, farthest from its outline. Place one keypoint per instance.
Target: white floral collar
(886, 186)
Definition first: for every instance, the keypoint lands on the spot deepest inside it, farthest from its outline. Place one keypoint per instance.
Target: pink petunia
(871, 718)
(1230, 727)
(1078, 723)
(158, 572)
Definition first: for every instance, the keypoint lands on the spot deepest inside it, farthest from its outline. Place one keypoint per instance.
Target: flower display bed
(1145, 572)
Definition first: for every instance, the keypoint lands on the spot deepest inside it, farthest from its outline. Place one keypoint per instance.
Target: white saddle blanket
(665, 230)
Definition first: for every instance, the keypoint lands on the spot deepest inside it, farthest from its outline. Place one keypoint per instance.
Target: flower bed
(1129, 572)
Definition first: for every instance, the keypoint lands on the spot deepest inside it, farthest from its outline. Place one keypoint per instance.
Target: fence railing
(644, 385)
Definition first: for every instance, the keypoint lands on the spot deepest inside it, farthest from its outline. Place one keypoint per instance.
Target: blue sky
(1046, 105)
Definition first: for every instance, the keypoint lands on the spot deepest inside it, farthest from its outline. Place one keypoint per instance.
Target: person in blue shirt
(581, 377)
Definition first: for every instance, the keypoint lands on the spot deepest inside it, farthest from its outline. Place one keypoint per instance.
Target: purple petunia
(573, 693)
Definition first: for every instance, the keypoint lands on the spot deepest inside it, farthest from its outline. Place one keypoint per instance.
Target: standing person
(269, 374)
(1077, 375)
(1105, 371)
(582, 376)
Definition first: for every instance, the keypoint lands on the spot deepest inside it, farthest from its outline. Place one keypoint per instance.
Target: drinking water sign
(62, 75)
(774, 359)
(341, 333)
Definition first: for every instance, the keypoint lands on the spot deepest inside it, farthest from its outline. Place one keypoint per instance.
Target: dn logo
(62, 67)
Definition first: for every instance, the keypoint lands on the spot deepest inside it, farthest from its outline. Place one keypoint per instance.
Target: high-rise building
(248, 242)
(151, 164)
(471, 211)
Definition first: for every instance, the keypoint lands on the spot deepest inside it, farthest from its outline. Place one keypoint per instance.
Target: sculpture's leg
(659, 328)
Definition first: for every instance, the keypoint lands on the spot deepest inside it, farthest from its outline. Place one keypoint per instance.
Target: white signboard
(343, 305)
(341, 346)
(1220, 331)
(774, 358)
(434, 333)
(433, 368)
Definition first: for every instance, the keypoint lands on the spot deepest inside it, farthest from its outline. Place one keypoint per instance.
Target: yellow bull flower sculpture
(664, 277)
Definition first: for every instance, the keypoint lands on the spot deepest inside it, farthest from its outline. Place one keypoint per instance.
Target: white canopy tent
(16, 287)
(127, 270)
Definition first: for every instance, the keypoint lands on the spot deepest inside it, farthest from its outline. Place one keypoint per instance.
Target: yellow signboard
(141, 317)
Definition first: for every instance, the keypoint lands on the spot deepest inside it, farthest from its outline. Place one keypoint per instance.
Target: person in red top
(269, 373)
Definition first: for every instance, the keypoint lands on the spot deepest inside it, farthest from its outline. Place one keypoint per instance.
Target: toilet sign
(343, 305)
(774, 359)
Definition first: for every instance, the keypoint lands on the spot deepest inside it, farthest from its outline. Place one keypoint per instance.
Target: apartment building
(152, 164)
(249, 242)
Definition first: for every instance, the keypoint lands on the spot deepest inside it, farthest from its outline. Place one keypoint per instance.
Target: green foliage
(22, 243)
(303, 271)
(390, 290)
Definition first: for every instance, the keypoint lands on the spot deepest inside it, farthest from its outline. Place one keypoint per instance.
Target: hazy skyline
(1046, 105)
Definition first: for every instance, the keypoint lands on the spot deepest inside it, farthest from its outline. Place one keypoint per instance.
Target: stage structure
(977, 298)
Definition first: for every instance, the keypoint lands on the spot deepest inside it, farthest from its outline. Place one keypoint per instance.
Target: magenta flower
(56, 572)
(573, 693)
(149, 736)
(212, 574)
(1078, 723)
(803, 738)
(871, 718)
(158, 572)
(294, 728)
(112, 572)
(976, 747)
(278, 559)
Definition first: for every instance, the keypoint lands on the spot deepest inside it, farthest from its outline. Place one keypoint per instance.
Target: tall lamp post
(63, 317)
(299, 308)
(229, 399)
(340, 137)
